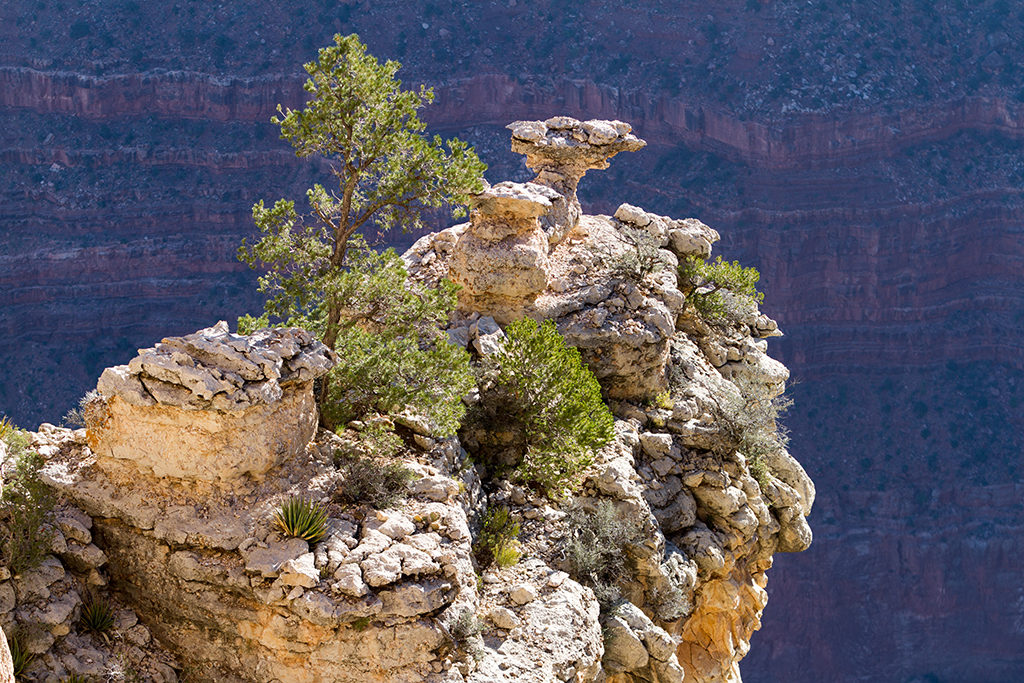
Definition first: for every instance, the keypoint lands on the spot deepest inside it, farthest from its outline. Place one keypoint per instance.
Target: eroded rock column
(561, 150)
(211, 405)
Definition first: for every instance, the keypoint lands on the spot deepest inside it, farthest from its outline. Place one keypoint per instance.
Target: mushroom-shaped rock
(211, 405)
(561, 150)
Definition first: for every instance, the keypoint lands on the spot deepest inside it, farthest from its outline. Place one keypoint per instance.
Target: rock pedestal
(501, 261)
(561, 150)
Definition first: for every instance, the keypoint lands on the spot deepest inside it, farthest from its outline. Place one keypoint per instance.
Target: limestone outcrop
(171, 494)
(211, 405)
(715, 514)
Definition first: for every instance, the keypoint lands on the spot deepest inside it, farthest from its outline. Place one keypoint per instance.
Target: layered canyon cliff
(865, 158)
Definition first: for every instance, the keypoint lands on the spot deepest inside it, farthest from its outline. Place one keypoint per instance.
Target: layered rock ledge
(211, 405)
(172, 492)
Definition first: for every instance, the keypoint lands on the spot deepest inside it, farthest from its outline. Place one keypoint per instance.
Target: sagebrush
(641, 258)
(750, 418)
(596, 544)
(370, 473)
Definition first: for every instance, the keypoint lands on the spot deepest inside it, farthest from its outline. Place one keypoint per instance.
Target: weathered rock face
(184, 525)
(501, 260)
(211, 405)
(510, 266)
(696, 589)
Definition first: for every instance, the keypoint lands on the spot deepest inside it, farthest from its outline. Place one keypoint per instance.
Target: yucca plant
(20, 656)
(97, 615)
(6, 427)
(74, 677)
(302, 518)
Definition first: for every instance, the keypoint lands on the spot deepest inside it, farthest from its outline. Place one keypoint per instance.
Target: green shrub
(596, 544)
(549, 403)
(97, 615)
(390, 340)
(497, 542)
(465, 625)
(464, 629)
(24, 507)
(709, 286)
(302, 518)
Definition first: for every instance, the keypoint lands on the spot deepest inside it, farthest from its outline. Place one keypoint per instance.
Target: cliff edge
(170, 498)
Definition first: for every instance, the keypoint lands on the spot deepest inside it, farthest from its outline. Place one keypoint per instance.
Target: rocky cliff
(865, 157)
(169, 494)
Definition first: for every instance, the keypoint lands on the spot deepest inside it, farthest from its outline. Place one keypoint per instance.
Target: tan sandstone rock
(211, 405)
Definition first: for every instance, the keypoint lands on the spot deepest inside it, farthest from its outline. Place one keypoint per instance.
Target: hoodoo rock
(561, 150)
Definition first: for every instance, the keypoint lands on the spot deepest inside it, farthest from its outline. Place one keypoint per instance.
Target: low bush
(711, 286)
(539, 392)
(641, 258)
(464, 629)
(596, 545)
(78, 416)
(378, 482)
(751, 421)
(302, 518)
(465, 625)
(24, 506)
(498, 540)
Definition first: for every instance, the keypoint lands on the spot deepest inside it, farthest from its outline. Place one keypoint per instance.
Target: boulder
(211, 405)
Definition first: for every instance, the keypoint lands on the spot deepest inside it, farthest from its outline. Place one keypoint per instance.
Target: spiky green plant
(75, 677)
(97, 615)
(6, 427)
(20, 656)
(302, 518)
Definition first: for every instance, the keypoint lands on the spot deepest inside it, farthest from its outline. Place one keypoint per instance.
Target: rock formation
(171, 494)
(876, 187)
(212, 405)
